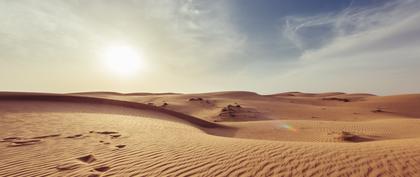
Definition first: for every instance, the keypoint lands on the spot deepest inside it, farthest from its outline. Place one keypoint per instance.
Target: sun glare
(123, 60)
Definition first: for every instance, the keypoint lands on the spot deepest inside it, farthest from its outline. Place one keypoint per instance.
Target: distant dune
(209, 134)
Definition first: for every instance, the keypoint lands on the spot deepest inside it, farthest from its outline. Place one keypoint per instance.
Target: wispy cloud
(295, 29)
(365, 45)
(390, 25)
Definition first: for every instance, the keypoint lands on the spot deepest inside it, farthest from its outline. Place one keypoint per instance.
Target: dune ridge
(81, 99)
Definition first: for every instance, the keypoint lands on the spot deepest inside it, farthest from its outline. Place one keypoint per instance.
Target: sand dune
(300, 106)
(108, 134)
(103, 101)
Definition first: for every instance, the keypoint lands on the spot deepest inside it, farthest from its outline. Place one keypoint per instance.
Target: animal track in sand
(94, 175)
(20, 141)
(9, 139)
(25, 142)
(102, 168)
(105, 132)
(112, 134)
(78, 162)
(120, 146)
(69, 166)
(103, 142)
(46, 136)
(115, 136)
(75, 136)
(87, 158)
(84, 160)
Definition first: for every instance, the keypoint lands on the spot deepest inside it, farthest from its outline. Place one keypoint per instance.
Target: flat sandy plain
(209, 134)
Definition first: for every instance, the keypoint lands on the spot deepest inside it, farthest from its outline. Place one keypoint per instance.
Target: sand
(210, 134)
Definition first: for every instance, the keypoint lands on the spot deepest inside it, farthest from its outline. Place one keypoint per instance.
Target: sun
(122, 60)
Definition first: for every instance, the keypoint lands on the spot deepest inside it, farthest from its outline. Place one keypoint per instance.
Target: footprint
(8, 139)
(75, 136)
(17, 143)
(102, 168)
(107, 132)
(103, 142)
(94, 175)
(46, 136)
(68, 166)
(120, 146)
(115, 136)
(87, 158)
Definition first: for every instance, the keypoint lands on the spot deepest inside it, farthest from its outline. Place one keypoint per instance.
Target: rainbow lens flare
(288, 127)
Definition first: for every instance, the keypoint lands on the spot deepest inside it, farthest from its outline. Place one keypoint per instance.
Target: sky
(191, 46)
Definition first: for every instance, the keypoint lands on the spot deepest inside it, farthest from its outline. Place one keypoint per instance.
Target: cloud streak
(373, 48)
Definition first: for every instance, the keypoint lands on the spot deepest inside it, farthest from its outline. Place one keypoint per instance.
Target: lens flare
(288, 127)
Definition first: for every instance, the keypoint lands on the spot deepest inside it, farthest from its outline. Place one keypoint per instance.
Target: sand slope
(335, 106)
(77, 135)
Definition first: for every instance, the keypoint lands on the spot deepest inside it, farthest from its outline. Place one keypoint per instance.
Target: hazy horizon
(193, 46)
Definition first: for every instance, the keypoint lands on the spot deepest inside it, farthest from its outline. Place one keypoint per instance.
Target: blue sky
(262, 21)
(202, 46)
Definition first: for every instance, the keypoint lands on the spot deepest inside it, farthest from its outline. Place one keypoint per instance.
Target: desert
(209, 88)
(288, 134)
